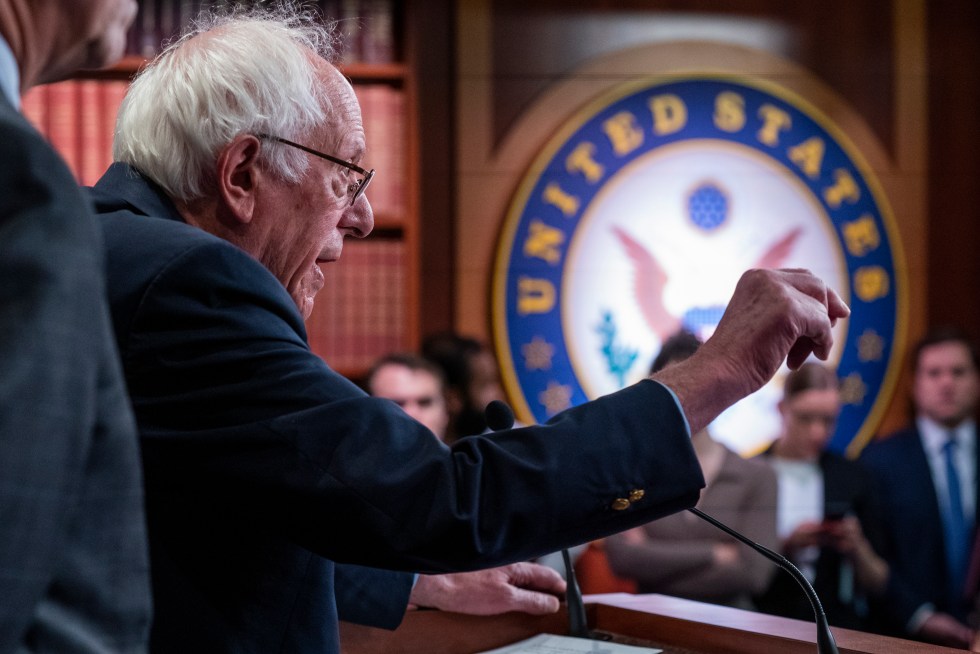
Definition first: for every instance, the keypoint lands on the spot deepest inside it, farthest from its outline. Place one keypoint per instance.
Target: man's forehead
(934, 360)
(421, 374)
(945, 353)
(398, 371)
(345, 124)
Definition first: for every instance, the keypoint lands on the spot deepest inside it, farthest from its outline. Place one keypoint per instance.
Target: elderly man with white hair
(241, 170)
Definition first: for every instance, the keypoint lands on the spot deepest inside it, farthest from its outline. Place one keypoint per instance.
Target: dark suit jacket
(73, 562)
(260, 460)
(848, 489)
(913, 529)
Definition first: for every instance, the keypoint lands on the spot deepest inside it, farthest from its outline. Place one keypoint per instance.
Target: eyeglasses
(356, 188)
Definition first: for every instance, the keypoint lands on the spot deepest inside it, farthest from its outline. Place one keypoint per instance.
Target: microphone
(825, 639)
(499, 417)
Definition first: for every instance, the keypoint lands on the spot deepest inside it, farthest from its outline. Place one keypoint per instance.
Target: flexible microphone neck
(825, 639)
(499, 417)
(578, 623)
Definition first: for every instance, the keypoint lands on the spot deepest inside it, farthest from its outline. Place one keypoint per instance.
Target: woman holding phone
(825, 510)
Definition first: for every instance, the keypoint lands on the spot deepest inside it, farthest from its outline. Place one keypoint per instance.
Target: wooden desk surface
(711, 628)
(676, 625)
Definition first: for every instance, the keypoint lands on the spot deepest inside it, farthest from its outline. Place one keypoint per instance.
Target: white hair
(243, 71)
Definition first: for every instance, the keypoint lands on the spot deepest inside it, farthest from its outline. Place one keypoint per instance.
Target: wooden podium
(677, 626)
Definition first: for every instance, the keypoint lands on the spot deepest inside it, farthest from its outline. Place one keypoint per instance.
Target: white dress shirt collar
(9, 74)
(934, 437)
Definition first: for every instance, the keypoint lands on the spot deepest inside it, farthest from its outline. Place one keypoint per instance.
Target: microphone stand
(578, 625)
(825, 639)
(500, 416)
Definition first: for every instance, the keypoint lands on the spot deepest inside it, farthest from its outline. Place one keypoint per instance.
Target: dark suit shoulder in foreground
(73, 563)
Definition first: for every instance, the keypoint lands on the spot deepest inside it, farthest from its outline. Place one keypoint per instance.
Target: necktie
(955, 525)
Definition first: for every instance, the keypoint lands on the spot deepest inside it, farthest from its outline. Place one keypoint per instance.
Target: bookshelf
(369, 305)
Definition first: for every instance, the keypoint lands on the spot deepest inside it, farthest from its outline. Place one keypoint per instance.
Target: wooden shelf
(382, 230)
(390, 73)
(388, 221)
(125, 69)
(381, 73)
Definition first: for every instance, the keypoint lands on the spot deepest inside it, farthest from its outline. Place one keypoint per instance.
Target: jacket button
(620, 504)
(636, 495)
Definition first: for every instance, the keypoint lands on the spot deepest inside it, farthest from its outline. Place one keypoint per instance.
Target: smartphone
(836, 511)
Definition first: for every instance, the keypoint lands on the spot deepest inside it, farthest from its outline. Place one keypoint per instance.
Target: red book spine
(113, 94)
(63, 126)
(34, 106)
(91, 145)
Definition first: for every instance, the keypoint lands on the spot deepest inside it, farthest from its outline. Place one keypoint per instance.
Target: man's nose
(358, 220)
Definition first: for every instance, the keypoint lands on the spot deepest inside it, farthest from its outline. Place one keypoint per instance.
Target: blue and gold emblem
(640, 215)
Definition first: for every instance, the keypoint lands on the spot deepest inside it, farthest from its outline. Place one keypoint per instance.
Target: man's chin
(305, 308)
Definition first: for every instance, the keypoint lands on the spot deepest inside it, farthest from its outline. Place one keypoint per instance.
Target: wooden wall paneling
(430, 53)
(953, 242)
(910, 153)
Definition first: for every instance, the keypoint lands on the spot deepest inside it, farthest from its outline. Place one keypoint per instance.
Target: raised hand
(773, 316)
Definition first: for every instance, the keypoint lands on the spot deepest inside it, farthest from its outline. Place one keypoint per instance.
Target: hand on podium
(525, 587)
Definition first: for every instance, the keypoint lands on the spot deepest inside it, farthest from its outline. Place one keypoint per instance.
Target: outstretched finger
(836, 307)
(799, 353)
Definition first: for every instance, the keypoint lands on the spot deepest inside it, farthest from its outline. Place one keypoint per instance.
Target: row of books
(361, 312)
(367, 26)
(383, 113)
(79, 116)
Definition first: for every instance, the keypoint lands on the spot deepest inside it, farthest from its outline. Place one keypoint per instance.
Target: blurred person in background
(415, 384)
(827, 511)
(927, 476)
(472, 380)
(682, 555)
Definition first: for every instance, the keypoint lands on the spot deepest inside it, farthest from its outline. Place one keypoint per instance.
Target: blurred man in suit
(73, 560)
(416, 385)
(928, 480)
(239, 171)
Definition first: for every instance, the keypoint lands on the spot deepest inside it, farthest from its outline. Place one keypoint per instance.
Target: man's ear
(238, 174)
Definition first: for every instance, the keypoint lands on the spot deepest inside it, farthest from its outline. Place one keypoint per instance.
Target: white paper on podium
(550, 644)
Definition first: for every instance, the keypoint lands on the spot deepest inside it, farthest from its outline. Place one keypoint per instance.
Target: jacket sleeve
(370, 596)
(232, 401)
